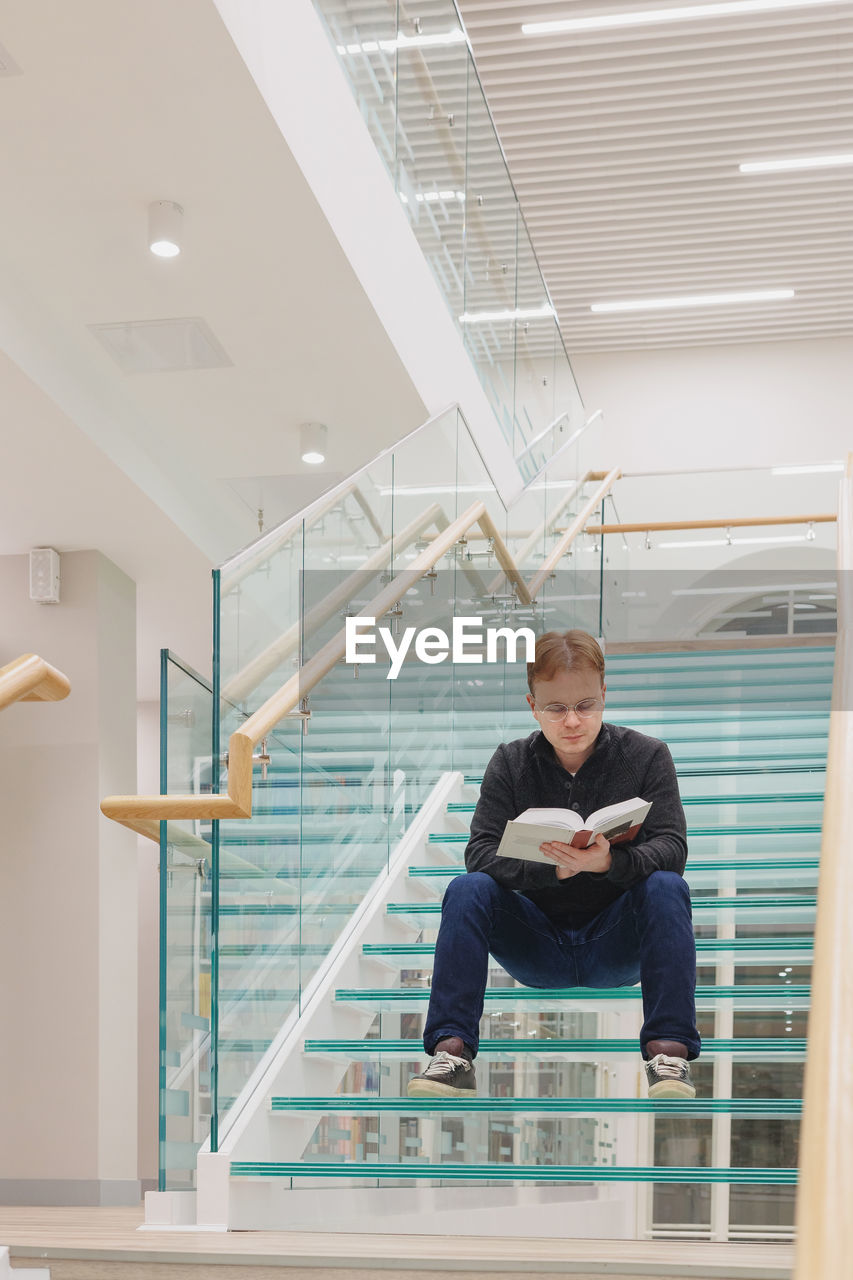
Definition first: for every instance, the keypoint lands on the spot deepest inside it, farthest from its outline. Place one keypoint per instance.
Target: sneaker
(446, 1077)
(669, 1077)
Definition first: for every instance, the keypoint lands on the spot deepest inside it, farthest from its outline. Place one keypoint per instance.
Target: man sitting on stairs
(600, 917)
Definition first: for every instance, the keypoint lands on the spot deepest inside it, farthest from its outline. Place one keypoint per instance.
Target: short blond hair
(564, 651)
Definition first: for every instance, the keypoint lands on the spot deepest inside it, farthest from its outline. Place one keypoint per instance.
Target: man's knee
(475, 887)
(664, 886)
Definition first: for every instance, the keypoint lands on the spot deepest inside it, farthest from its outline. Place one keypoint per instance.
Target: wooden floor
(105, 1244)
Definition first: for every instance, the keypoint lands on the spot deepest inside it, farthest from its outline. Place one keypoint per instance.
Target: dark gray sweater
(526, 774)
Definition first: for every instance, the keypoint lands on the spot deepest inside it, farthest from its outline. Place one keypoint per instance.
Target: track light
(165, 224)
(693, 300)
(790, 164)
(312, 442)
(676, 13)
(545, 312)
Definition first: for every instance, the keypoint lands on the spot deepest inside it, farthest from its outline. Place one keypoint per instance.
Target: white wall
(749, 405)
(148, 862)
(68, 896)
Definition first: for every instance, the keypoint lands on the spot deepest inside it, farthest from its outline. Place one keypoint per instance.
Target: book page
(624, 808)
(566, 818)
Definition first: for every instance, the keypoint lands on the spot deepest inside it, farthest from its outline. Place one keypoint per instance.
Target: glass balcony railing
(416, 84)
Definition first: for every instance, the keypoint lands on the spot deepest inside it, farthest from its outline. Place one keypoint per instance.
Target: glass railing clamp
(395, 615)
(185, 717)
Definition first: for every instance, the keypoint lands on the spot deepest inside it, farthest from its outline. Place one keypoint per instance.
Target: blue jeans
(645, 935)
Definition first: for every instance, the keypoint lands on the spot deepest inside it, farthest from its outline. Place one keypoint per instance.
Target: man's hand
(570, 860)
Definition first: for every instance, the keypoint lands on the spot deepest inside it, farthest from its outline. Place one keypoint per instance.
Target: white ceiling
(110, 106)
(118, 105)
(624, 149)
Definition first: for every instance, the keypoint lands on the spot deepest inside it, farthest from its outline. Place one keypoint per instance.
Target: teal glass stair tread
(798, 764)
(752, 1108)
(756, 991)
(235, 950)
(790, 797)
(286, 909)
(740, 829)
(344, 838)
(280, 876)
(285, 995)
(750, 1046)
(751, 901)
(694, 864)
(735, 945)
(723, 679)
(509, 1172)
(620, 664)
(246, 1045)
(334, 807)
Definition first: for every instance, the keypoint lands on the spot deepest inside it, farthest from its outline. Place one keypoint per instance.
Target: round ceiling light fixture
(165, 223)
(312, 442)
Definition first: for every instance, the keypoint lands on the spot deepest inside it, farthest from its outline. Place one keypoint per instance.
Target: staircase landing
(106, 1244)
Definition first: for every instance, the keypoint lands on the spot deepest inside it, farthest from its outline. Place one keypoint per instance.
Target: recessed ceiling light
(312, 443)
(680, 13)
(510, 313)
(694, 300)
(796, 162)
(165, 223)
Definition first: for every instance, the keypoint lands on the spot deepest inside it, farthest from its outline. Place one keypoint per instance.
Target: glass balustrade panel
(727, 582)
(417, 88)
(431, 128)
(365, 39)
(186, 724)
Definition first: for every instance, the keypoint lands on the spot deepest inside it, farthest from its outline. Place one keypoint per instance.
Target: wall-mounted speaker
(44, 575)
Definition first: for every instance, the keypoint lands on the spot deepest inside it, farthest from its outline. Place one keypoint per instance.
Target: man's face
(573, 736)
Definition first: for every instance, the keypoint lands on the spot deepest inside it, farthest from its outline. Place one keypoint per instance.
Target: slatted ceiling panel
(624, 146)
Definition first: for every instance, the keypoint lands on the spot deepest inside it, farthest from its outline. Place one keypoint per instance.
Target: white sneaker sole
(432, 1089)
(672, 1089)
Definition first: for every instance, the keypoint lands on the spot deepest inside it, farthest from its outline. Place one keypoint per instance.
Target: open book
(616, 822)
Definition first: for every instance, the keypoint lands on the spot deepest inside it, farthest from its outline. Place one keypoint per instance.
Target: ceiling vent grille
(8, 65)
(162, 346)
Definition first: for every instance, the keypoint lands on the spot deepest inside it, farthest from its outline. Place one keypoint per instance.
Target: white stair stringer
(250, 1131)
(31, 1273)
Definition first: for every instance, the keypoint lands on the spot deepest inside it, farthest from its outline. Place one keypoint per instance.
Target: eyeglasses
(558, 711)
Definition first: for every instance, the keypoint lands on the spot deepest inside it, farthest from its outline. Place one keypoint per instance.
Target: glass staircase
(555, 1069)
(297, 945)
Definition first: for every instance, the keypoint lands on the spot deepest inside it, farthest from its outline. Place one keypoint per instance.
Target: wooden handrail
(573, 530)
(824, 1248)
(137, 812)
(242, 684)
(504, 558)
(143, 813)
(258, 550)
(541, 530)
(736, 522)
(230, 580)
(31, 679)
